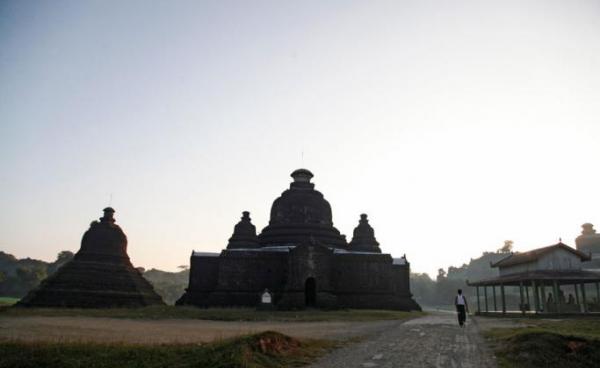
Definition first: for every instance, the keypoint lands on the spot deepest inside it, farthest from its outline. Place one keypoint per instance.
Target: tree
(424, 289)
(441, 275)
(31, 277)
(64, 256)
(507, 248)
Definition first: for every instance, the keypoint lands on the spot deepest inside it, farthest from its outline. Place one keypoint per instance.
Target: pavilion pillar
(486, 298)
(598, 292)
(585, 310)
(544, 304)
(576, 293)
(494, 292)
(527, 296)
(556, 296)
(478, 305)
(521, 306)
(536, 298)
(503, 298)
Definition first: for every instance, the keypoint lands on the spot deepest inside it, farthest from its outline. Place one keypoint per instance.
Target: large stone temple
(302, 260)
(99, 276)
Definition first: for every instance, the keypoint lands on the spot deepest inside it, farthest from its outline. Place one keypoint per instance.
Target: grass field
(4, 300)
(548, 343)
(217, 314)
(267, 349)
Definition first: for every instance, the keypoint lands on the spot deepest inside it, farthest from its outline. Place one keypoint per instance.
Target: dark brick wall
(204, 273)
(359, 273)
(343, 280)
(252, 271)
(401, 277)
(306, 261)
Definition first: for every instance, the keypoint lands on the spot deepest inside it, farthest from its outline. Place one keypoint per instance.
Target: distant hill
(478, 268)
(441, 291)
(19, 276)
(169, 285)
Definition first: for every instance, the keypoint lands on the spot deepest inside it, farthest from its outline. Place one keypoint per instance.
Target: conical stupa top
(364, 237)
(301, 211)
(244, 234)
(588, 229)
(108, 215)
(302, 175)
(104, 240)
(589, 240)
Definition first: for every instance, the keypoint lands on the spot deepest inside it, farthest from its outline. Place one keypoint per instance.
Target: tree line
(19, 276)
(440, 292)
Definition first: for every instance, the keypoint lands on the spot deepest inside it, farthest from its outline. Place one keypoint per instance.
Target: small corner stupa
(363, 239)
(589, 241)
(99, 276)
(244, 234)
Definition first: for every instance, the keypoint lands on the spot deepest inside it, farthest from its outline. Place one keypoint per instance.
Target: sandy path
(431, 341)
(167, 331)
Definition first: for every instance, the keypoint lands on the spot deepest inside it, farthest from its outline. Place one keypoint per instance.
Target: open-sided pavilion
(542, 275)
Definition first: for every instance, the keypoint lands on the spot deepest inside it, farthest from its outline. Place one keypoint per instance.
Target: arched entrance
(310, 292)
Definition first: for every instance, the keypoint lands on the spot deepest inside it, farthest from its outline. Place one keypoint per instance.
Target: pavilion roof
(561, 276)
(535, 254)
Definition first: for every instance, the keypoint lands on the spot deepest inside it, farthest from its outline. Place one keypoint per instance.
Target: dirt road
(431, 341)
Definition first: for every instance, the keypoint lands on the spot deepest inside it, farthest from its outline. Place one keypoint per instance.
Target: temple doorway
(310, 292)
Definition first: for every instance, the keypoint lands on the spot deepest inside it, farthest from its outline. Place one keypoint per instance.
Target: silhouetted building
(99, 276)
(302, 259)
(589, 241)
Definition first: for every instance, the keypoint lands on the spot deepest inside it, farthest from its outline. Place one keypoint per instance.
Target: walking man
(461, 307)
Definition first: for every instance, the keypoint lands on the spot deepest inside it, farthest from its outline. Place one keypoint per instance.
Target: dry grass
(267, 349)
(172, 325)
(217, 314)
(7, 301)
(139, 331)
(548, 343)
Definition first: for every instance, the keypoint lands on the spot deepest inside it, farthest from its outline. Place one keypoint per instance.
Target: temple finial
(108, 215)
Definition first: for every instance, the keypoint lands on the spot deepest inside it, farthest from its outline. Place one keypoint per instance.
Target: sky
(455, 125)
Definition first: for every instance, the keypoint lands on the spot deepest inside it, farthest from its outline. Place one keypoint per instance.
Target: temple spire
(244, 234)
(364, 237)
(108, 215)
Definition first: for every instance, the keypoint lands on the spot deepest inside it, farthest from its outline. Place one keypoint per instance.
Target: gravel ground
(435, 340)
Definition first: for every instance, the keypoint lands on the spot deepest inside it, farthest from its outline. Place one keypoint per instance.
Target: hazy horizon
(454, 126)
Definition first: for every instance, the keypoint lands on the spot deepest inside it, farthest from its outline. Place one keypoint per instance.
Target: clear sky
(454, 124)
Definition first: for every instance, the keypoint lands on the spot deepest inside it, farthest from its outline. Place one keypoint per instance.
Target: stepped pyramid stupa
(99, 276)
